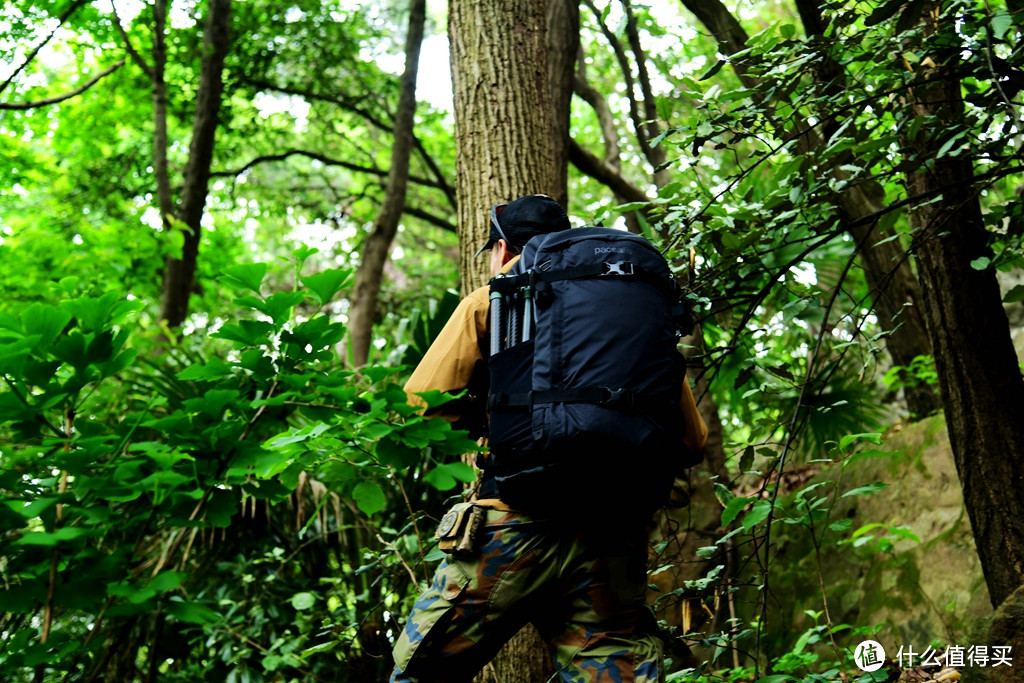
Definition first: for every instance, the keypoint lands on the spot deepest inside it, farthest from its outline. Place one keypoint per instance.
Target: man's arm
(449, 363)
(696, 433)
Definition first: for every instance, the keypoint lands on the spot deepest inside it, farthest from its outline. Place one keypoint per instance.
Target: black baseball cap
(519, 221)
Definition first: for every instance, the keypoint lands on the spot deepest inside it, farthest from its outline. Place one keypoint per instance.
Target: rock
(1005, 630)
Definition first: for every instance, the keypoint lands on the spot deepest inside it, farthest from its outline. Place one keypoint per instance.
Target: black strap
(622, 399)
(603, 269)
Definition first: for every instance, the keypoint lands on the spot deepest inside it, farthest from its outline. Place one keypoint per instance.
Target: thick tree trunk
(179, 274)
(503, 124)
(979, 376)
(378, 243)
(504, 142)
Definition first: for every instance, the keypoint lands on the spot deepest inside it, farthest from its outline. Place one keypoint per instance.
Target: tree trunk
(375, 249)
(979, 376)
(161, 173)
(503, 120)
(563, 40)
(504, 141)
(179, 274)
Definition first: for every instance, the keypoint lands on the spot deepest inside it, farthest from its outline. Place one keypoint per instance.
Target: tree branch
(129, 48)
(589, 164)
(35, 51)
(727, 31)
(22, 106)
(650, 128)
(366, 289)
(582, 87)
(322, 158)
(349, 104)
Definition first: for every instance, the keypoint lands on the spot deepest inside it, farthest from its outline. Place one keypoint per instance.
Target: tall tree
(503, 138)
(378, 242)
(979, 374)
(179, 273)
(502, 115)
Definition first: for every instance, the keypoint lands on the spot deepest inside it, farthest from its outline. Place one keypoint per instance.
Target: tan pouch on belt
(456, 534)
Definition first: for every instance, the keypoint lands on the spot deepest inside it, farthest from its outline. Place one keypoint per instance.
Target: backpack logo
(610, 250)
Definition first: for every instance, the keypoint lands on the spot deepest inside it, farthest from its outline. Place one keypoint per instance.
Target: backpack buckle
(624, 399)
(619, 268)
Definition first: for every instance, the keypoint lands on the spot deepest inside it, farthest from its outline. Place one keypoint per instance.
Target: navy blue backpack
(585, 376)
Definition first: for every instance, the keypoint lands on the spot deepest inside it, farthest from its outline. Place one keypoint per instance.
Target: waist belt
(622, 399)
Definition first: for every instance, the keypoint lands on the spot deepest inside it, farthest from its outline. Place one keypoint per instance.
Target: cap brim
(487, 245)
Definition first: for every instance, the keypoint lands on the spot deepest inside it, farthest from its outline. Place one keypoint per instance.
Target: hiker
(580, 578)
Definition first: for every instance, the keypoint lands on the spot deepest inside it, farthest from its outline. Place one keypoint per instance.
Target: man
(584, 592)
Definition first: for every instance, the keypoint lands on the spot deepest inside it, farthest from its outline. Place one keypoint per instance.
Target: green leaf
(14, 355)
(221, 507)
(166, 581)
(870, 437)
(757, 514)
(863, 490)
(841, 525)
(214, 369)
(245, 276)
(712, 71)
(440, 479)
(191, 612)
(1002, 22)
(324, 285)
(723, 494)
(303, 601)
(1013, 296)
(369, 497)
(45, 321)
(981, 263)
(733, 509)
(92, 314)
(44, 538)
(212, 403)
(297, 435)
(247, 332)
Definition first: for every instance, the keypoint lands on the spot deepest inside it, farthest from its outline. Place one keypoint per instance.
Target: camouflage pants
(586, 600)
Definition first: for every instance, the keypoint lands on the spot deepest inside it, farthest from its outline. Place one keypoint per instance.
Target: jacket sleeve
(449, 363)
(696, 434)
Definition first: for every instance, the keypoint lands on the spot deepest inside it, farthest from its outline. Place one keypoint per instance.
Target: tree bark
(504, 150)
(179, 274)
(161, 173)
(563, 40)
(366, 290)
(979, 376)
(502, 115)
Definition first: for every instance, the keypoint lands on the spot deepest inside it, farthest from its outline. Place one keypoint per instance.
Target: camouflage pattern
(586, 599)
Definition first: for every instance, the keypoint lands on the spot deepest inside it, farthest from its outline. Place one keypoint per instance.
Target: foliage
(213, 501)
(235, 505)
